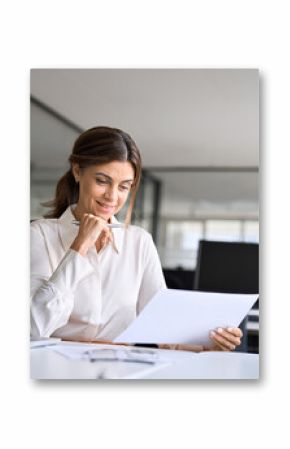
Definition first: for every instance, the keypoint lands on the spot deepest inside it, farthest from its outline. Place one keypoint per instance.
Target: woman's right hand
(90, 229)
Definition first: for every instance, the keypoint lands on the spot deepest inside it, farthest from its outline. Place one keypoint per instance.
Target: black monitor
(227, 267)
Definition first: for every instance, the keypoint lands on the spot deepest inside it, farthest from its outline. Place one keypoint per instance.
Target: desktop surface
(50, 363)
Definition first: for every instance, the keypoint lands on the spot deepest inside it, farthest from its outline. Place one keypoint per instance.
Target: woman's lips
(105, 207)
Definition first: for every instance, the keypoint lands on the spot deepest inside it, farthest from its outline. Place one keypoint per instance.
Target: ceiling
(178, 117)
(225, 186)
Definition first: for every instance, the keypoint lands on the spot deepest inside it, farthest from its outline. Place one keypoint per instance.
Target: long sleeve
(52, 290)
(153, 279)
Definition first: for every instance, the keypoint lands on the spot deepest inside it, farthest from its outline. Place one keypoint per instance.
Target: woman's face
(103, 189)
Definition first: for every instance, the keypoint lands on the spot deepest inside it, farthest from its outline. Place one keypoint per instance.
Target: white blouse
(91, 297)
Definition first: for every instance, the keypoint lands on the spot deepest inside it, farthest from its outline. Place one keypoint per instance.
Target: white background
(70, 34)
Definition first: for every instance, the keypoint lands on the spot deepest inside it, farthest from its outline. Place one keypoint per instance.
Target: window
(184, 235)
(180, 244)
(251, 231)
(223, 230)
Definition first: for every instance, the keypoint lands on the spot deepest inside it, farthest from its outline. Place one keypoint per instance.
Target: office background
(198, 132)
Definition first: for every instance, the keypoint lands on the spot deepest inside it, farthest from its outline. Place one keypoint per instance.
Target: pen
(109, 225)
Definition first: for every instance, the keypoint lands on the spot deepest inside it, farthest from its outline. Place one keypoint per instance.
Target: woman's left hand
(225, 339)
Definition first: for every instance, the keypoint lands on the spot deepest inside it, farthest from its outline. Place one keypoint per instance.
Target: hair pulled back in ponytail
(99, 145)
(66, 193)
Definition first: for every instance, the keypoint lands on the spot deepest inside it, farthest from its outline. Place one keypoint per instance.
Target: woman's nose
(111, 194)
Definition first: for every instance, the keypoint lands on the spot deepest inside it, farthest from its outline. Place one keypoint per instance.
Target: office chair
(178, 278)
(228, 267)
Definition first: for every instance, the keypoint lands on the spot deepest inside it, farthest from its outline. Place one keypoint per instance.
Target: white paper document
(41, 342)
(182, 316)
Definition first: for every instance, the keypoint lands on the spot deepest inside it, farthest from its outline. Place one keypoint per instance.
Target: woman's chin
(105, 215)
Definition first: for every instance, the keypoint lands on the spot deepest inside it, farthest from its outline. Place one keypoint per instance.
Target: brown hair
(98, 145)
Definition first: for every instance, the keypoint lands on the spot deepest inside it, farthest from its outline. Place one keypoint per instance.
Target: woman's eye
(101, 181)
(124, 187)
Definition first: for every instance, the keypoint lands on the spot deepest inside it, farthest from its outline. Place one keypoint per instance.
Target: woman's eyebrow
(109, 177)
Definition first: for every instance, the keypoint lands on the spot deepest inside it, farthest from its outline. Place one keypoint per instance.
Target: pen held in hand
(109, 225)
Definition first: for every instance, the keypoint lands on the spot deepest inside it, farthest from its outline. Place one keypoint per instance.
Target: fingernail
(212, 333)
(220, 331)
(229, 329)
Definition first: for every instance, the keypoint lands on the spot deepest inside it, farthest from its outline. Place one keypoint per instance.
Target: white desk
(46, 363)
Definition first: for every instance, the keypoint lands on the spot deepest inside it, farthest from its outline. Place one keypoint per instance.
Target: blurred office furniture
(179, 278)
(231, 267)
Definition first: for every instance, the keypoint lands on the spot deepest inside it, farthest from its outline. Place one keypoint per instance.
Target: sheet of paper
(182, 316)
(40, 342)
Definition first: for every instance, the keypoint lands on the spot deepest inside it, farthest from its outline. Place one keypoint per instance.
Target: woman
(89, 280)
